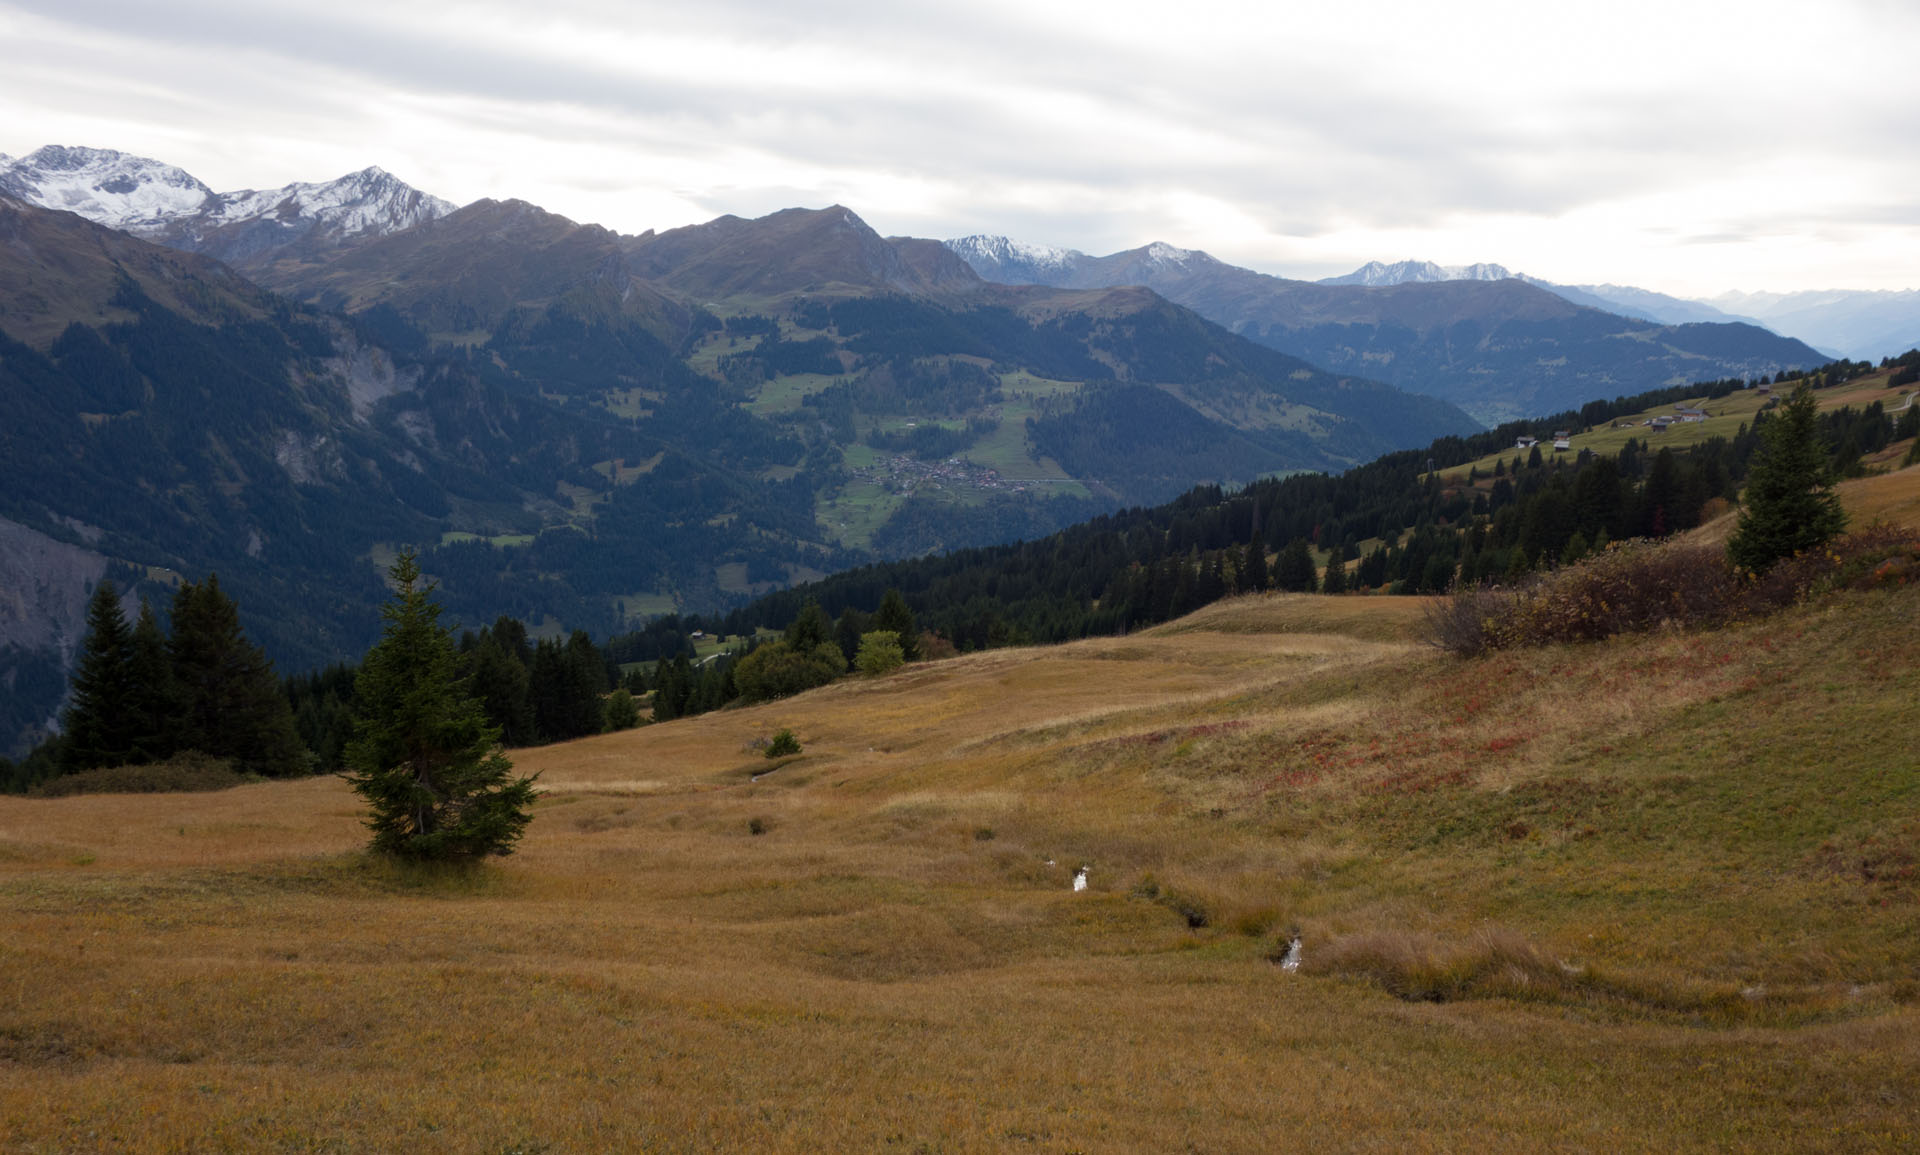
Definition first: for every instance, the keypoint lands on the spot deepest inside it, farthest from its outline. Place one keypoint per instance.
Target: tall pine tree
(423, 754)
(153, 697)
(98, 723)
(1790, 505)
(230, 703)
(895, 616)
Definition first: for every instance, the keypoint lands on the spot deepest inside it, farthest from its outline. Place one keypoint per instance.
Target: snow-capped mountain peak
(371, 200)
(160, 202)
(112, 188)
(1006, 251)
(1375, 275)
(1161, 253)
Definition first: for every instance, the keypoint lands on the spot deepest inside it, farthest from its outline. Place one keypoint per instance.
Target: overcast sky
(1679, 145)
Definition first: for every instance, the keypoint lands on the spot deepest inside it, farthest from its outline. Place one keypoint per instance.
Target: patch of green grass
(783, 394)
(1728, 415)
(860, 508)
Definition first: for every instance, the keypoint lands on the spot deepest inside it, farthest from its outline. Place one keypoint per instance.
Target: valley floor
(1653, 894)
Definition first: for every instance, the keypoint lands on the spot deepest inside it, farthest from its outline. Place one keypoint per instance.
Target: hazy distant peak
(1374, 274)
(1161, 253)
(1006, 250)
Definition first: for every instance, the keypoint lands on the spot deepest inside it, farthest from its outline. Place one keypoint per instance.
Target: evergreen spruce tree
(501, 682)
(1336, 580)
(1293, 571)
(230, 703)
(847, 629)
(1790, 505)
(893, 615)
(810, 628)
(153, 699)
(98, 723)
(1255, 575)
(423, 754)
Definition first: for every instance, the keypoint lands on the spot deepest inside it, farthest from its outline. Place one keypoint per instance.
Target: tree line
(141, 694)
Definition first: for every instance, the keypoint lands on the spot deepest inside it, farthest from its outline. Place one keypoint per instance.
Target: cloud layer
(1691, 147)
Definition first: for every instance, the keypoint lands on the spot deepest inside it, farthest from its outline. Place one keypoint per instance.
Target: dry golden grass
(1663, 887)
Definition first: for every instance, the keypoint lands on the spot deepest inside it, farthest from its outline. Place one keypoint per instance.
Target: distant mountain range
(164, 204)
(1856, 323)
(1500, 348)
(1853, 323)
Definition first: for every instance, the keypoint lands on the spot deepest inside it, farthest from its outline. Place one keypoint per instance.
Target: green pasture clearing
(853, 515)
(631, 403)
(639, 606)
(784, 394)
(1727, 415)
(624, 471)
(501, 539)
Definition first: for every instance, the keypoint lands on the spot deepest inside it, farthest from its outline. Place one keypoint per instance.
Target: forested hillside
(1408, 522)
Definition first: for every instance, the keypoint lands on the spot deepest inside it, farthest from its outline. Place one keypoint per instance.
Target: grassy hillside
(1726, 416)
(1654, 894)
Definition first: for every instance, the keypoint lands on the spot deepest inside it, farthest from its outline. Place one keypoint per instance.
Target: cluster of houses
(1563, 438)
(904, 474)
(1682, 414)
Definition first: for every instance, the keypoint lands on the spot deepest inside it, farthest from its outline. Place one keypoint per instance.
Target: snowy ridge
(1161, 253)
(997, 251)
(1376, 275)
(371, 200)
(160, 202)
(104, 186)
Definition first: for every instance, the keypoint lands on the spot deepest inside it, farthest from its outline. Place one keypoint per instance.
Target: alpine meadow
(578, 654)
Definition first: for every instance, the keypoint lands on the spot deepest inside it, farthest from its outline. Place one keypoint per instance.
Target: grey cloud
(1300, 141)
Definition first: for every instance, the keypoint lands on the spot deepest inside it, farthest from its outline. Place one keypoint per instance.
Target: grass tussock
(1640, 587)
(1498, 963)
(185, 773)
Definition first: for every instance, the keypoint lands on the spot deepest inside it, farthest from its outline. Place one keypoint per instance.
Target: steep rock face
(161, 203)
(43, 588)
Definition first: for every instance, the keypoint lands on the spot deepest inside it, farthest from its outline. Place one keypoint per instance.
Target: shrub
(622, 713)
(783, 744)
(1461, 623)
(1631, 588)
(188, 772)
(1639, 586)
(1422, 968)
(778, 669)
(880, 653)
